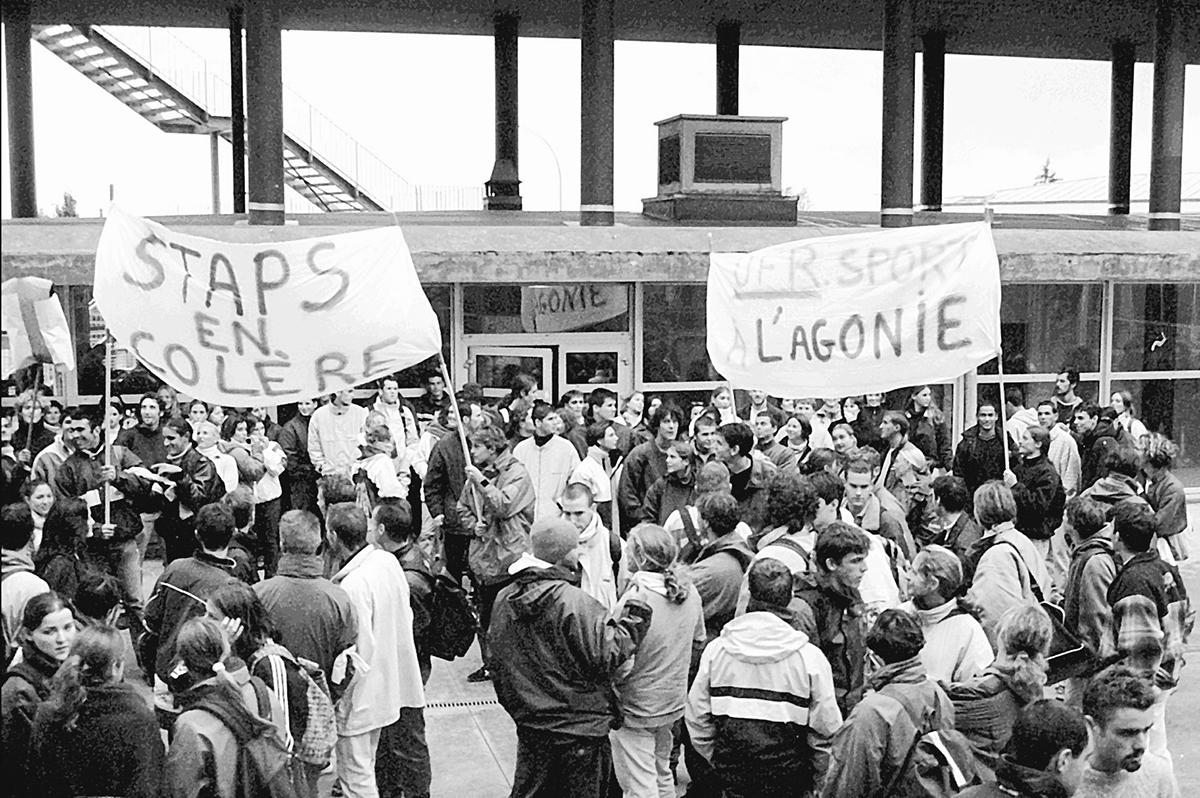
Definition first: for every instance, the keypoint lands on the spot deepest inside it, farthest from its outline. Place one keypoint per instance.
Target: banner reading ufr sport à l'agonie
(854, 314)
(262, 324)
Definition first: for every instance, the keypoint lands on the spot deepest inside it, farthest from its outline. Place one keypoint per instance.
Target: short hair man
(385, 717)
(872, 508)
(1043, 755)
(1064, 400)
(1091, 432)
(599, 549)
(313, 617)
(1085, 594)
(764, 722)
(1119, 706)
(831, 610)
(181, 590)
(952, 503)
(555, 651)
(646, 464)
(748, 475)
(549, 459)
(981, 454)
(1063, 451)
(333, 434)
(866, 755)
(766, 429)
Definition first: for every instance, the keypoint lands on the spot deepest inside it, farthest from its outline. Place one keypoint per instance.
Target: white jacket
(956, 649)
(595, 559)
(1064, 456)
(333, 438)
(378, 591)
(549, 468)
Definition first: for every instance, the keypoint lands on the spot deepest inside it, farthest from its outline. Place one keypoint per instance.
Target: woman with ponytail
(986, 707)
(202, 759)
(96, 735)
(652, 687)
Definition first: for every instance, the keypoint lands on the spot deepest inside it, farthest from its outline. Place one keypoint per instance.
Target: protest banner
(854, 314)
(565, 307)
(251, 325)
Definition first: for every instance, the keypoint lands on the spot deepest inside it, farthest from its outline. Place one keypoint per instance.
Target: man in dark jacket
(1037, 489)
(145, 440)
(646, 464)
(831, 611)
(981, 453)
(554, 651)
(85, 475)
(300, 475)
(1044, 756)
(196, 484)
(747, 474)
(1089, 428)
(959, 529)
(445, 476)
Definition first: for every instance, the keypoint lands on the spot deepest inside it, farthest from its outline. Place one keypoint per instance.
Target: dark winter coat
(313, 617)
(80, 473)
(1091, 455)
(930, 433)
(977, 459)
(179, 595)
(26, 685)
(144, 442)
(717, 574)
(1040, 498)
(114, 749)
(669, 493)
(293, 439)
(833, 617)
(444, 480)
(1085, 598)
(866, 428)
(555, 651)
(645, 465)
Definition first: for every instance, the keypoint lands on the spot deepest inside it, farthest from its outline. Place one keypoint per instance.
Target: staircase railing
(190, 72)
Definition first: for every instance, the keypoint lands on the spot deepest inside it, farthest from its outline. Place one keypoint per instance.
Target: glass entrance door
(495, 367)
(571, 362)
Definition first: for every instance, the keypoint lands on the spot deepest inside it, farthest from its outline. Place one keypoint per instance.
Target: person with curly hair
(1165, 493)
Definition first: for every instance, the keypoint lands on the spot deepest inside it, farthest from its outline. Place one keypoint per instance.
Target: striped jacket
(762, 706)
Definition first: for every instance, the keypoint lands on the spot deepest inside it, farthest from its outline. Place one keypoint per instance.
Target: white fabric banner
(854, 314)
(251, 325)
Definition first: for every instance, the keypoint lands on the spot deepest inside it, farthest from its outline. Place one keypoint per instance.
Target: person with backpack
(652, 690)
(1044, 756)
(831, 609)
(95, 735)
(986, 707)
(1009, 570)
(228, 741)
(307, 709)
(956, 648)
(45, 637)
(313, 617)
(1086, 610)
(873, 753)
(380, 716)
(762, 707)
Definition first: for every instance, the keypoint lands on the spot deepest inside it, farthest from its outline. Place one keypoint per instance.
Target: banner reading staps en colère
(250, 325)
(855, 314)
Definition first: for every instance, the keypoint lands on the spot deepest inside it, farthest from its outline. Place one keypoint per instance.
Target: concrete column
(899, 79)
(596, 113)
(504, 186)
(264, 101)
(237, 129)
(18, 34)
(1120, 128)
(729, 40)
(1166, 136)
(933, 104)
(214, 166)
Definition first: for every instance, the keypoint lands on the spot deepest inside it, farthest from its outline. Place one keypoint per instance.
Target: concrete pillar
(214, 166)
(899, 79)
(596, 113)
(1166, 136)
(729, 40)
(504, 186)
(933, 105)
(237, 129)
(264, 101)
(18, 34)
(1120, 128)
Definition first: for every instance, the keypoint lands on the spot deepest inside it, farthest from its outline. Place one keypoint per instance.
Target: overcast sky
(424, 104)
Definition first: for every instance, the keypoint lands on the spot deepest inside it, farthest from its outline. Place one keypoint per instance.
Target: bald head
(554, 540)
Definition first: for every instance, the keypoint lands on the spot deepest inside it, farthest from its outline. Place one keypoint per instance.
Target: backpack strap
(1022, 568)
(689, 526)
(791, 545)
(894, 782)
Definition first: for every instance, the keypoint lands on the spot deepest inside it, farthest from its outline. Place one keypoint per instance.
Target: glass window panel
(674, 334)
(1156, 327)
(1170, 407)
(500, 370)
(574, 307)
(1047, 325)
(592, 368)
(1034, 392)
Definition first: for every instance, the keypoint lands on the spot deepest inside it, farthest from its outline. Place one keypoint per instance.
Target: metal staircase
(168, 84)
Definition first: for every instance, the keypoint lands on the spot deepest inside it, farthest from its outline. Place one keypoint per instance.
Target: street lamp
(554, 155)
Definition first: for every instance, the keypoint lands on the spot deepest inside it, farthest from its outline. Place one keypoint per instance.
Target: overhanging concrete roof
(1077, 29)
(64, 250)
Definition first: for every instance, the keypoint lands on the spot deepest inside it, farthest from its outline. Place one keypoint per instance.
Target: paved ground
(473, 743)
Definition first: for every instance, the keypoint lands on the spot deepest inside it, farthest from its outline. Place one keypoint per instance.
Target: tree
(68, 209)
(1047, 176)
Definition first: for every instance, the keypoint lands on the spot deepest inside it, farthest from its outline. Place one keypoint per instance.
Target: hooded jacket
(1091, 455)
(20, 584)
(1040, 498)
(834, 618)
(1018, 422)
(80, 473)
(179, 595)
(596, 563)
(717, 574)
(499, 515)
(1113, 489)
(313, 617)
(875, 740)
(979, 459)
(1165, 493)
(1085, 598)
(25, 686)
(555, 651)
(762, 706)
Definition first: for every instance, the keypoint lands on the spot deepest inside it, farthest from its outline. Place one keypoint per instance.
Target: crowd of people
(800, 596)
